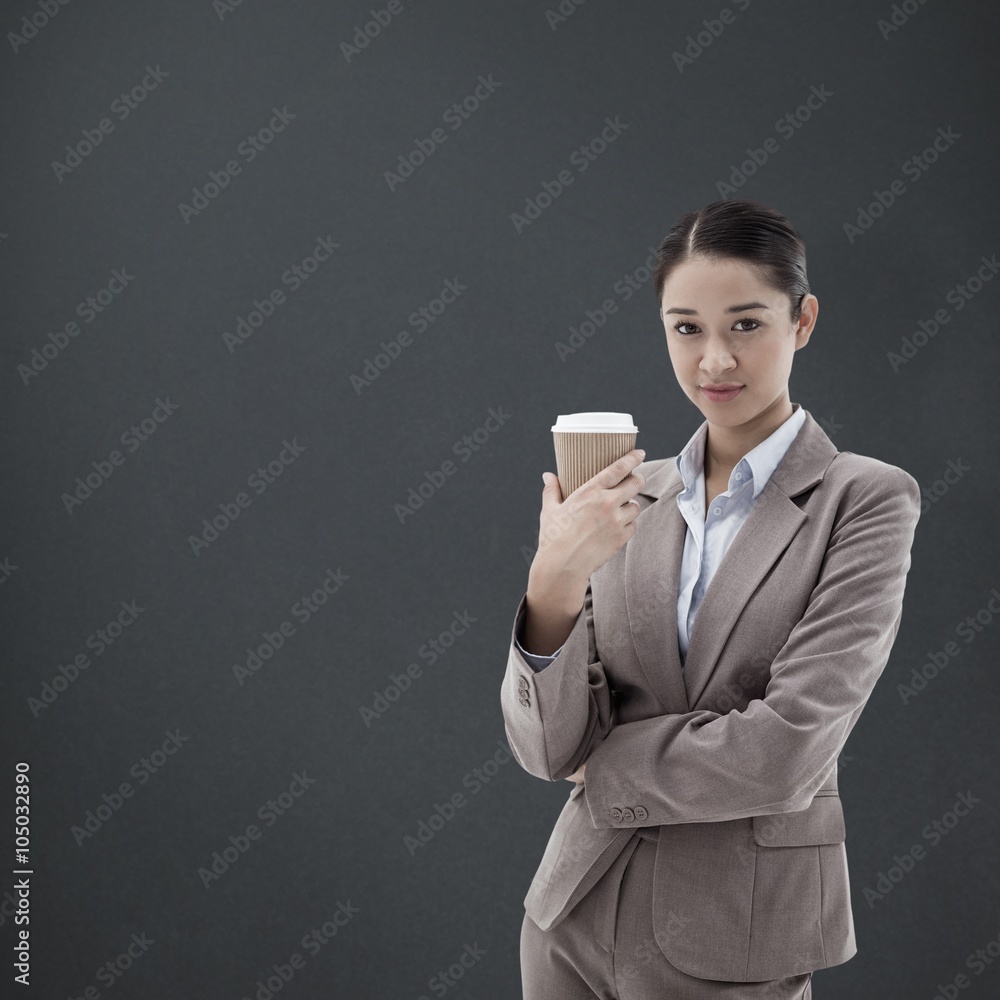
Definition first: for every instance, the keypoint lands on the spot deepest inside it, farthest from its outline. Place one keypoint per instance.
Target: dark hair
(743, 230)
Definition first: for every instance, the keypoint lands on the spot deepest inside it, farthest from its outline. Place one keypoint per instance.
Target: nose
(719, 357)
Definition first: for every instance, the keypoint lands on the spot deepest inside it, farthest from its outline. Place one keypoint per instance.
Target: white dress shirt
(708, 538)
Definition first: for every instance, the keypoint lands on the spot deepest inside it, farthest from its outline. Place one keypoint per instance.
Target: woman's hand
(578, 776)
(579, 534)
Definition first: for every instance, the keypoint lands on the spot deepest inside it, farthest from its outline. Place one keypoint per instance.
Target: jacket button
(640, 812)
(522, 682)
(616, 815)
(524, 701)
(628, 815)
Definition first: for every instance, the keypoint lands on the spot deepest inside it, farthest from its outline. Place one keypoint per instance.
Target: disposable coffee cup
(586, 443)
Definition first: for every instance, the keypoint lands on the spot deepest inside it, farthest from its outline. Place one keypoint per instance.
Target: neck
(725, 446)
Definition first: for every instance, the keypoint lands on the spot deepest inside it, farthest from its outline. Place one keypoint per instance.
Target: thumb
(551, 492)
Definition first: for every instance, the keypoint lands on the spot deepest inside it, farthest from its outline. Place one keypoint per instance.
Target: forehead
(712, 280)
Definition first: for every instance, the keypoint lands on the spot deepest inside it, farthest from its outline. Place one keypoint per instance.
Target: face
(726, 327)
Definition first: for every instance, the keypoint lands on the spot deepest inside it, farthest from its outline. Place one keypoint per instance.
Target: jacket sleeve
(771, 757)
(554, 717)
(536, 660)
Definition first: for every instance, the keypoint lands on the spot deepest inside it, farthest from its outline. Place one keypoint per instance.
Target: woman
(697, 640)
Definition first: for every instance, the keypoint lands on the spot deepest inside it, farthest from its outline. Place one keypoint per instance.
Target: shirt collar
(758, 464)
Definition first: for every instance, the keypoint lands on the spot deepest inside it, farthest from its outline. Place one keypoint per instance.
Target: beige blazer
(733, 761)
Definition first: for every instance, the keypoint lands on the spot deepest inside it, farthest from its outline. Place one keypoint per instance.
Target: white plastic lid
(619, 423)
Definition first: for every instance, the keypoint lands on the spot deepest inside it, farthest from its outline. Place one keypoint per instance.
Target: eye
(688, 333)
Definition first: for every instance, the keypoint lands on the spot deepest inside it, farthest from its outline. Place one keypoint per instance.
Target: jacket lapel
(652, 575)
(653, 563)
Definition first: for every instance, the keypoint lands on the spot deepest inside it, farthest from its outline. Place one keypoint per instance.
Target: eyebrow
(731, 309)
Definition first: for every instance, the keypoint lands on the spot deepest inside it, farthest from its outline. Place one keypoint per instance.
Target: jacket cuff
(534, 660)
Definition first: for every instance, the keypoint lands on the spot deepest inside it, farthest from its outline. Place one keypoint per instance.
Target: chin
(736, 411)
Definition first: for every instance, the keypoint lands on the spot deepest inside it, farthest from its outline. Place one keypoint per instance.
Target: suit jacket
(734, 760)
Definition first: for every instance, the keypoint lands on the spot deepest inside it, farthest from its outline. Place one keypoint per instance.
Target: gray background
(467, 549)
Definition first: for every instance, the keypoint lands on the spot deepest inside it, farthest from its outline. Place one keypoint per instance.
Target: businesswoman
(698, 638)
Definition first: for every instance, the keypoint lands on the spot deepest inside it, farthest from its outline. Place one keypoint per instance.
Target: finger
(628, 487)
(551, 493)
(620, 470)
(628, 512)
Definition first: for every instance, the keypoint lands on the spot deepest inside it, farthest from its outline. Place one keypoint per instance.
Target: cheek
(778, 361)
(681, 365)
(683, 353)
(676, 356)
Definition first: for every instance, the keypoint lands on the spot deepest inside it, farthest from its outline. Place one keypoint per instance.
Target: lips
(722, 393)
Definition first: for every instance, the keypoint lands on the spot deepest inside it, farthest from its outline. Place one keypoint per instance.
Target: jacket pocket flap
(821, 823)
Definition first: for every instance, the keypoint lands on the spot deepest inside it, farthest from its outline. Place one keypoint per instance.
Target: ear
(807, 320)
